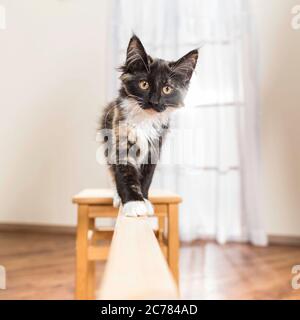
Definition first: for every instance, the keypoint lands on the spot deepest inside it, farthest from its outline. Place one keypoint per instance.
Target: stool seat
(105, 196)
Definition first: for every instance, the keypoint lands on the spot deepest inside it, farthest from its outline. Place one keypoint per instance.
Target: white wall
(279, 48)
(52, 80)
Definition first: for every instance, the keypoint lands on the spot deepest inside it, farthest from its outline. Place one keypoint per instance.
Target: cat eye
(167, 89)
(144, 85)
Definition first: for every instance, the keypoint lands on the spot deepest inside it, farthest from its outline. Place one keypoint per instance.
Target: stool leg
(82, 253)
(161, 230)
(173, 240)
(91, 280)
(91, 267)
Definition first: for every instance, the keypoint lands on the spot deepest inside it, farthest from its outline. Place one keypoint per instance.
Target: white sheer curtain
(218, 136)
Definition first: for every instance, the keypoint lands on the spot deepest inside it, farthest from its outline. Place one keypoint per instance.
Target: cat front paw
(135, 209)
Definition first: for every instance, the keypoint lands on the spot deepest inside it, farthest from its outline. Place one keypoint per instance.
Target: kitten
(134, 125)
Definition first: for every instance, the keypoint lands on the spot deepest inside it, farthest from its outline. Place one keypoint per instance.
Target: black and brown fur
(135, 124)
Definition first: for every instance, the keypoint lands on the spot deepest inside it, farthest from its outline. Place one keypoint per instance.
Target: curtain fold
(211, 156)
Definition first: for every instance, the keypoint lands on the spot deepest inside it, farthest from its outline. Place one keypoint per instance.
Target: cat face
(155, 84)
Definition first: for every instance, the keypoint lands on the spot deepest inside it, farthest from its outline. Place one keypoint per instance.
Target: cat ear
(186, 65)
(137, 58)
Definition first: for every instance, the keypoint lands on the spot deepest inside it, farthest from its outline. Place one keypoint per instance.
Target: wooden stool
(97, 203)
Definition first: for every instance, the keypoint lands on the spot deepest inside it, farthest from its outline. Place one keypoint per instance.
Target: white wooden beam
(136, 267)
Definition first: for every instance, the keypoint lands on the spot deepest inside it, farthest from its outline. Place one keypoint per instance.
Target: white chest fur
(144, 127)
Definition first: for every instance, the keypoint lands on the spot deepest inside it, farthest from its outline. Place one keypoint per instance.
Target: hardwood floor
(238, 271)
(41, 266)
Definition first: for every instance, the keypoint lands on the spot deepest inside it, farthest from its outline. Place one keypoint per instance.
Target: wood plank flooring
(41, 266)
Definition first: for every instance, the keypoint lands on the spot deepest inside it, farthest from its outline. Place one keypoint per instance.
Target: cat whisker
(172, 105)
(135, 97)
(108, 112)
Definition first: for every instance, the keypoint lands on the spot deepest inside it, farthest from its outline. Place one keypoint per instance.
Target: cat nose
(153, 105)
(153, 100)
